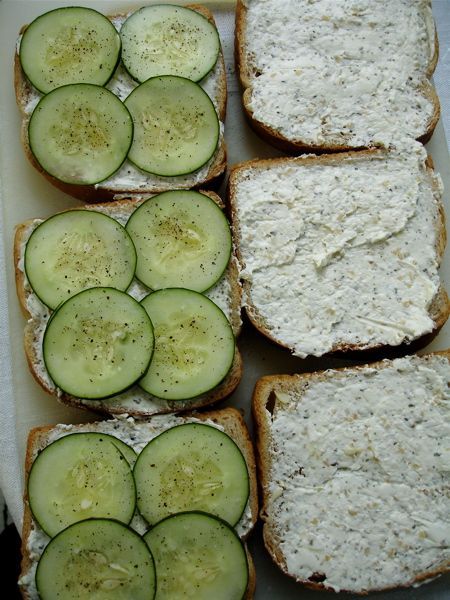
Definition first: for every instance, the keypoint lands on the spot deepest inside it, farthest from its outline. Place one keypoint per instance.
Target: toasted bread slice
(129, 179)
(341, 252)
(353, 475)
(135, 401)
(327, 79)
(228, 419)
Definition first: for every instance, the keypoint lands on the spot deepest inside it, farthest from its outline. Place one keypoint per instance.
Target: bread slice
(327, 77)
(353, 469)
(341, 252)
(228, 419)
(129, 179)
(135, 401)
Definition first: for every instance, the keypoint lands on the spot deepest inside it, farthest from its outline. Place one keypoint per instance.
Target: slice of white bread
(353, 466)
(332, 75)
(341, 252)
(129, 179)
(137, 434)
(135, 401)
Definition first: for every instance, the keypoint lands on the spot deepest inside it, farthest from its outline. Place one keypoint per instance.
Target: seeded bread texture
(135, 401)
(229, 419)
(383, 445)
(25, 93)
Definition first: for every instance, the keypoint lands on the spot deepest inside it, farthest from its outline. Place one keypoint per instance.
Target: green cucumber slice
(191, 467)
(79, 476)
(96, 558)
(69, 45)
(168, 40)
(176, 128)
(76, 250)
(80, 134)
(194, 344)
(182, 239)
(198, 556)
(98, 343)
(125, 450)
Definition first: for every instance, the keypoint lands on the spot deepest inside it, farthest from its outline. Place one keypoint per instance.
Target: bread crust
(33, 331)
(229, 418)
(297, 146)
(93, 193)
(434, 59)
(439, 309)
(262, 404)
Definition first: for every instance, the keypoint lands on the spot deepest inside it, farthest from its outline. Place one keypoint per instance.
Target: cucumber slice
(98, 343)
(194, 344)
(191, 467)
(69, 45)
(79, 476)
(168, 40)
(126, 451)
(198, 556)
(80, 134)
(96, 559)
(76, 250)
(176, 128)
(182, 239)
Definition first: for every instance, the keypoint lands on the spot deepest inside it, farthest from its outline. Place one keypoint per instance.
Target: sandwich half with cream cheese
(353, 467)
(341, 252)
(333, 75)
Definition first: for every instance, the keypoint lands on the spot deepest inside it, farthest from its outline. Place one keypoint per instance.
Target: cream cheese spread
(136, 434)
(359, 490)
(342, 252)
(134, 399)
(130, 177)
(341, 73)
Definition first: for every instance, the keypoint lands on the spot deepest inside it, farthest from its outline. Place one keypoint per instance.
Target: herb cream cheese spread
(340, 252)
(335, 73)
(359, 474)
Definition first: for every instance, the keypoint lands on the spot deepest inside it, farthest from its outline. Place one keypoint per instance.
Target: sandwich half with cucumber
(126, 104)
(132, 306)
(124, 508)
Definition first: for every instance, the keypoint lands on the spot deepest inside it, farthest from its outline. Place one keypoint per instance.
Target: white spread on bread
(136, 434)
(340, 252)
(340, 73)
(130, 177)
(359, 488)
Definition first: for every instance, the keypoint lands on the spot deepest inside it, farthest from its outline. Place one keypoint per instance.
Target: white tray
(26, 194)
